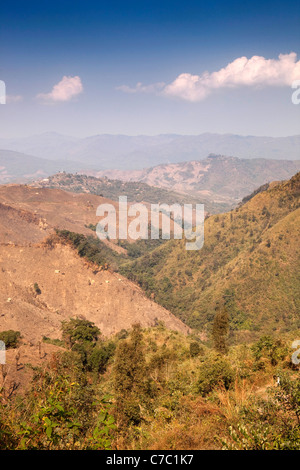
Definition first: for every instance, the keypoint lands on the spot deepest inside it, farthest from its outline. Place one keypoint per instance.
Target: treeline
(92, 249)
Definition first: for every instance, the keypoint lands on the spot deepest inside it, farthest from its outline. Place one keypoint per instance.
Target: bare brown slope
(29, 214)
(19, 225)
(59, 208)
(69, 288)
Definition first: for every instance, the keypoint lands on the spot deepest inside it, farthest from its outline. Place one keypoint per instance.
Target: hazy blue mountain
(49, 145)
(137, 152)
(19, 167)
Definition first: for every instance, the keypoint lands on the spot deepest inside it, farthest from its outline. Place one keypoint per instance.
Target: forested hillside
(249, 262)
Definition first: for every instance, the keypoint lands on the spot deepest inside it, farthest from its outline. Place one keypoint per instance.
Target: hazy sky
(149, 67)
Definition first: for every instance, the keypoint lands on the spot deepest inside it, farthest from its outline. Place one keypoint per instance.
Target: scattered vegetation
(232, 386)
(249, 264)
(156, 389)
(92, 249)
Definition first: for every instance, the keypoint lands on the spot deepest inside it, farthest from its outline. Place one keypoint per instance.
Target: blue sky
(104, 49)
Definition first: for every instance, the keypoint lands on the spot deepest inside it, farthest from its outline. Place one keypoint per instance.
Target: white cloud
(13, 98)
(65, 90)
(254, 72)
(140, 88)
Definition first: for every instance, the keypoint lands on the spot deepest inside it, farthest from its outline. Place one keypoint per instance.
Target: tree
(220, 329)
(81, 336)
(77, 331)
(270, 348)
(129, 377)
(213, 373)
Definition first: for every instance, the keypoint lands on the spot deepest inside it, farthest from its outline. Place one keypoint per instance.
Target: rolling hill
(249, 263)
(29, 214)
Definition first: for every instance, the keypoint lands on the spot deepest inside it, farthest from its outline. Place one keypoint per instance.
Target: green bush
(271, 349)
(77, 331)
(55, 341)
(99, 357)
(195, 349)
(10, 338)
(214, 372)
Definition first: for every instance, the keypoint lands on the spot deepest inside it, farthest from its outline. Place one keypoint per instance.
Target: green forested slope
(250, 262)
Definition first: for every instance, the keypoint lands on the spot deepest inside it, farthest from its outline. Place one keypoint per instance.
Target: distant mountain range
(218, 181)
(138, 152)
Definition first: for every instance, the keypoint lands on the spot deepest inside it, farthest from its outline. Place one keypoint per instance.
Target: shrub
(195, 349)
(37, 289)
(272, 349)
(272, 424)
(214, 372)
(55, 341)
(81, 336)
(99, 357)
(10, 338)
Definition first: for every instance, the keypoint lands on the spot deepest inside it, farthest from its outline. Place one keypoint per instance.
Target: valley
(171, 336)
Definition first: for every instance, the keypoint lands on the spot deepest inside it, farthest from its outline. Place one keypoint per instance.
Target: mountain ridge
(107, 151)
(218, 178)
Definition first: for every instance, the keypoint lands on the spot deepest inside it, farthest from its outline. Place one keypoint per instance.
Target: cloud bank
(254, 72)
(65, 90)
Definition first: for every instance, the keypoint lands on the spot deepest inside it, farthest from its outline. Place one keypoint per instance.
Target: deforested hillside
(44, 281)
(43, 209)
(42, 285)
(249, 263)
(28, 214)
